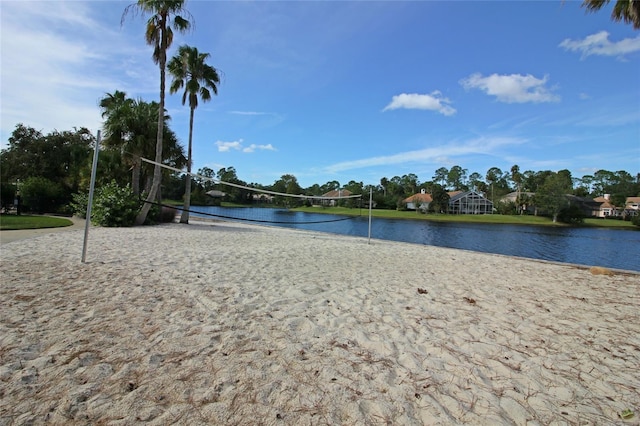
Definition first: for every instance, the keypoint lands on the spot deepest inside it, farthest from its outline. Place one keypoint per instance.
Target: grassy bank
(14, 222)
(465, 218)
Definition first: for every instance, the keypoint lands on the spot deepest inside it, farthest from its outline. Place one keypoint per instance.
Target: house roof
(337, 193)
(418, 198)
(633, 200)
(604, 203)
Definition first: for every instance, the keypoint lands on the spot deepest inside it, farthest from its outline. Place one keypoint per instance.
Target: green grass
(464, 218)
(14, 222)
(610, 223)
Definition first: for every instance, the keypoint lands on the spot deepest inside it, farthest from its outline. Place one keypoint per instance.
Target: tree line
(49, 169)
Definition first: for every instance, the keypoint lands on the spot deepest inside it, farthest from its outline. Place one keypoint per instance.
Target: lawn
(14, 222)
(466, 218)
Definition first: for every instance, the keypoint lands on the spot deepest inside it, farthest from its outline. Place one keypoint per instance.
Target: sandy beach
(233, 324)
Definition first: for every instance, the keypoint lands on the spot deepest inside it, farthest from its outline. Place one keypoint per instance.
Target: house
(460, 202)
(587, 206)
(632, 206)
(605, 208)
(329, 197)
(419, 201)
(337, 193)
(469, 202)
(526, 200)
(262, 198)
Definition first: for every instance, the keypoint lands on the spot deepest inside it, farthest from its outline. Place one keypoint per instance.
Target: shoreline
(229, 323)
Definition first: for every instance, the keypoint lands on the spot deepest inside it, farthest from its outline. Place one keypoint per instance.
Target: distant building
(332, 195)
(460, 202)
(419, 201)
(526, 206)
(605, 208)
(469, 202)
(632, 206)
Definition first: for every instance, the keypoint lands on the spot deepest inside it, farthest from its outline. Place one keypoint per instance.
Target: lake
(611, 248)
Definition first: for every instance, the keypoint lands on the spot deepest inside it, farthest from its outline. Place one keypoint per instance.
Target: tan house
(606, 208)
(632, 206)
(332, 195)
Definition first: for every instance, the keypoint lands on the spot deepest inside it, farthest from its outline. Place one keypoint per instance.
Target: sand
(236, 324)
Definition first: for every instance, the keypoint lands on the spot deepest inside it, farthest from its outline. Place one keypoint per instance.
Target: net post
(370, 207)
(87, 220)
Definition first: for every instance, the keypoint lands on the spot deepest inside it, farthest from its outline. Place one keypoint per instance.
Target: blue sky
(349, 90)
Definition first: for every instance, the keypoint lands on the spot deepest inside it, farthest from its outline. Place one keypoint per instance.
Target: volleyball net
(265, 206)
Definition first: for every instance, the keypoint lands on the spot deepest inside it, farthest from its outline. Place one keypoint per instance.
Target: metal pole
(370, 206)
(90, 203)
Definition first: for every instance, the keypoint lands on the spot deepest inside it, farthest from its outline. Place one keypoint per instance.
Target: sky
(348, 90)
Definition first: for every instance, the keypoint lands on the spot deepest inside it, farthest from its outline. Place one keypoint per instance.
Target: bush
(636, 220)
(79, 203)
(41, 195)
(7, 193)
(113, 205)
(572, 214)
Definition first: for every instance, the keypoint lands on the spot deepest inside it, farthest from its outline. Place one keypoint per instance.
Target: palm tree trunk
(184, 218)
(157, 171)
(135, 175)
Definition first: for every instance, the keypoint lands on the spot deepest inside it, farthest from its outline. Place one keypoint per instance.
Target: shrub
(636, 220)
(572, 214)
(41, 195)
(7, 193)
(113, 205)
(79, 203)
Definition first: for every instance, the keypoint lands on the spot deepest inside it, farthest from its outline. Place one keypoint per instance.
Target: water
(611, 248)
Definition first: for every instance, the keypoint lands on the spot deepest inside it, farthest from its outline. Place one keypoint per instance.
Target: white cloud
(253, 147)
(238, 146)
(248, 113)
(228, 146)
(512, 88)
(599, 44)
(59, 59)
(483, 145)
(432, 102)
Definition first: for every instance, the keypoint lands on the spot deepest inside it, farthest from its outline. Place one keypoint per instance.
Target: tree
(456, 178)
(287, 184)
(409, 184)
(58, 157)
(130, 128)
(440, 199)
(516, 178)
(476, 182)
(624, 10)
(159, 34)
(190, 70)
(552, 194)
(494, 174)
(441, 176)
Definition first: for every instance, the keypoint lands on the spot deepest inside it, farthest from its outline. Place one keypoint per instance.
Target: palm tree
(624, 10)
(159, 34)
(130, 128)
(190, 71)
